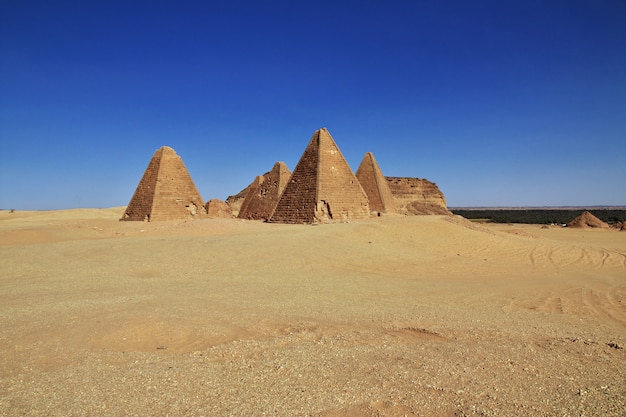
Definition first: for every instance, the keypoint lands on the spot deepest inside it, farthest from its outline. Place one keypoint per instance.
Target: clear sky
(501, 103)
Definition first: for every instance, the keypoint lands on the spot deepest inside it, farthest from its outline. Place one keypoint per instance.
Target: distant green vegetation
(539, 216)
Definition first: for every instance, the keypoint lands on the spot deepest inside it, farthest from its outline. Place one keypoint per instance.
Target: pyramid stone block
(375, 185)
(264, 193)
(166, 191)
(322, 187)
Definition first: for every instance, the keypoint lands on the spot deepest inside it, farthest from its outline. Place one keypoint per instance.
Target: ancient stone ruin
(322, 187)
(166, 191)
(415, 196)
(264, 192)
(235, 201)
(375, 185)
(588, 220)
(216, 208)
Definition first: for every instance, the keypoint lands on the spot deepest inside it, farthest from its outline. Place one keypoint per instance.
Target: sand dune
(423, 315)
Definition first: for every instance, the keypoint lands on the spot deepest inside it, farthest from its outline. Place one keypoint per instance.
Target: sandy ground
(425, 315)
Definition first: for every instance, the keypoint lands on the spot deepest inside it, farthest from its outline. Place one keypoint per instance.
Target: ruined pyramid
(216, 208)
(375, 185)
(264, 193)
(322, 187)
(586, 220)
(166, 191)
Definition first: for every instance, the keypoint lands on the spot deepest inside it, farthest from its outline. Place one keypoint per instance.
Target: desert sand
(417, 315)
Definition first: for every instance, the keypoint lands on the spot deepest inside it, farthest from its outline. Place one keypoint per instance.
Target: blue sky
(501, 103)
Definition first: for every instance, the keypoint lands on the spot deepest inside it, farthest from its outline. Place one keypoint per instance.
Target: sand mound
(462, 221)
(587, 220)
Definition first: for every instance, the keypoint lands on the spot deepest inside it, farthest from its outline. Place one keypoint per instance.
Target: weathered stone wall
(166, 191)
(236, 201)
(322, 187)
(417, 196)
(216, 208)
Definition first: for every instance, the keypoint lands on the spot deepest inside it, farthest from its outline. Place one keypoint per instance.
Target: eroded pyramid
(264, 193)
(166, 191)
(586, 220)
(375, 185)
(322, 187)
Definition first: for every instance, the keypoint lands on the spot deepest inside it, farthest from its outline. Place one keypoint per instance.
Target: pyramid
(586, 220)
(322, 187)
(375, 185)
(264, 193)
(166, 191)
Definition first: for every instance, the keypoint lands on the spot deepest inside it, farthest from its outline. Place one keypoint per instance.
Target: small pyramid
(586, 220)
(322, 187)
(166, 191)
(375, 185)
(264, 193)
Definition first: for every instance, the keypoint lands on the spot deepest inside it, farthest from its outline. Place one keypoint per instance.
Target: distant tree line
(539, 216)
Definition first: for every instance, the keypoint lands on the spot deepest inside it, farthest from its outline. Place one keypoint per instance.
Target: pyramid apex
(167, 150)
(280, 165)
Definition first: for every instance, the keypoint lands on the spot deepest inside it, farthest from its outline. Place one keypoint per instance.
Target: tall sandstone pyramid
(166, 191)
(264, 193)
(375, 185)
(322, 187)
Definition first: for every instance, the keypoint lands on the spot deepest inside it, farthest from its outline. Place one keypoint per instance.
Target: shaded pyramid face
(264, 193)
(165, 192)
(322, 187)
(375, 185)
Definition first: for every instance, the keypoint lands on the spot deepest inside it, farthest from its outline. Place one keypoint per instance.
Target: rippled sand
(423, 315)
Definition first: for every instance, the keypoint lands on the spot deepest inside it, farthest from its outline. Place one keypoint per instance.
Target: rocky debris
(620, 226)
(419, 208)
(235, 201)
